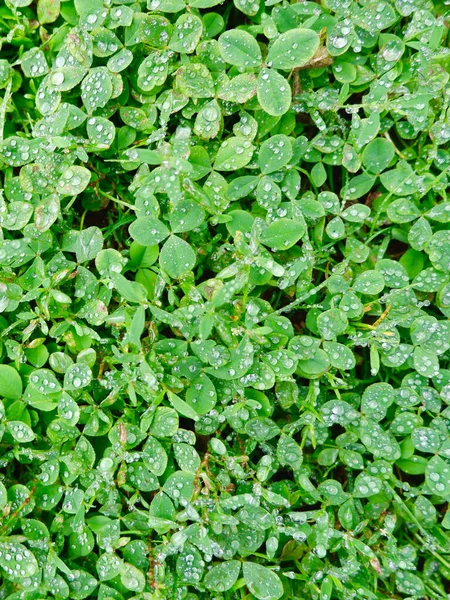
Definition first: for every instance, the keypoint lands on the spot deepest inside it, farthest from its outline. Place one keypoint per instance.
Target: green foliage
(225, 300)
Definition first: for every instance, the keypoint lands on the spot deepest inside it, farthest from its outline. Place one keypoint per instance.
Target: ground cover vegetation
(225, 300)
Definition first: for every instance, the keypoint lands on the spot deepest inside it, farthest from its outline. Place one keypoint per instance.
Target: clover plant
(225, 299)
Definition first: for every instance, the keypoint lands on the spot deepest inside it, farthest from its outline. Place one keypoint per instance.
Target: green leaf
(234, 153)
(240, 89)
(153, 70)
(86, 244)
(180, 485)
(340, 356)
(410, 584)
(108, 566)
(208, 120)
(48, 10)
(222, 576)
(140, 478)
(426, 440)
(261, 429)
(314, 366)
(17, 151)
(369, 282)
(336, 228)
(130, 290)
(65, 78)
(176, 257)
(274, 92)
(289, 453)
(282, 234)
(165, 422)
(186, 216)
(73, 181)
(195, 81)
(332, 323)
(376, 399)
(182, 407)
(426, 362)
(47, 212)
(419, 234)
(437, 476)
(101, 132)
(440, 213)
(10, 383)
(142, 256)
(132, 578)
(358, 186)
(366, 486)
(187, 457)
(21, 432)
(366, 129)
(377, 155)
(96, 89)
(263, 583)
(154, 456)
(186, 33)
(201, 395)
(33, 63)
(3, 496)
(77, 376)
(293, 49)
(275, 153)
(318, 174)
(357, 213)
(239, 48)
(415, 465)
(148, 231)
(190, 565)
(17, 561)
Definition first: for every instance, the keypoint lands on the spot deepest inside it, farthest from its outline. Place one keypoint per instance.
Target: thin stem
(82, 219)
(306, 295)
(116, 200)
(6, 98)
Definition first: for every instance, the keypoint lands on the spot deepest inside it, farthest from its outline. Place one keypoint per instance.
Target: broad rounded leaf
(369, 282)
(223, 576)
(263, 583)
(132, 578)
(377, 155)
(96, 89)
(437, 476)
(17, 561)
(239, 48)
(176, 257)
(10, 383)
(376, 399)
(282, 234)
(332, 323)
(275, 153)
(186, 33)
(148, 231)
(426, 362)
(201, 395)
(292, 49)
(73, 181)
(340, 356)
(108, 566)
(180, 485)
(233, 154)
(21, 432)
(274, 92)
(195, 81)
